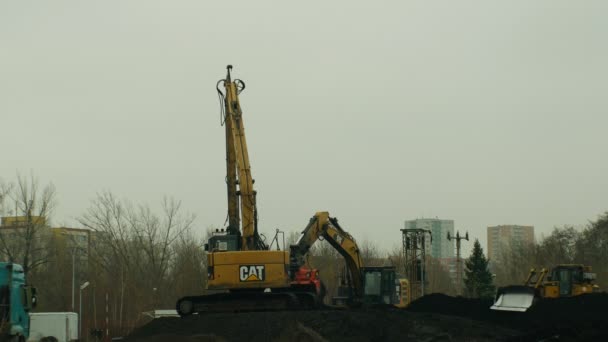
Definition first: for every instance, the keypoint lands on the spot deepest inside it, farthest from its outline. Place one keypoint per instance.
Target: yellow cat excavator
(563, 281)
(243, 274)
(363, 285)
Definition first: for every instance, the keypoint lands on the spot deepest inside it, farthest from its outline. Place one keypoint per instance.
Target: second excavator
(363, 285)
(243, 274)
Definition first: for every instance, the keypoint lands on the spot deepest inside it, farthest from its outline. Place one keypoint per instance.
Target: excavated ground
(581, 318)
(325, 325)
(434, 317)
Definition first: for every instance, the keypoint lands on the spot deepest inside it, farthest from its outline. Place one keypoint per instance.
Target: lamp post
(82, 287)
(73, 270)
(73, 275)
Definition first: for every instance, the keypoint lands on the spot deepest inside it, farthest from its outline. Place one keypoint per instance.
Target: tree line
(136, 259)
(565, 245)
(141, 259)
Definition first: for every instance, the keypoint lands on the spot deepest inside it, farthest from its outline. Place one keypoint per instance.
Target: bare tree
(5, 189)
(439, 280)
(24, 239)
(371, 255)
(514, 263)
(592, 247)
(136, 248)
(397, 259)
(292, 237)
(188, 273)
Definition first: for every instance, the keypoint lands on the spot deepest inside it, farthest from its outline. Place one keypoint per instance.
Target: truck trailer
(63, 326)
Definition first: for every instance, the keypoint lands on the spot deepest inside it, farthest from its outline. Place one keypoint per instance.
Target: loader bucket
(514, 298)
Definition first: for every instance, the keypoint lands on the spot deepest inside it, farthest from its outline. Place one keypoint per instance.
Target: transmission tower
(458, 260)
(414, 253)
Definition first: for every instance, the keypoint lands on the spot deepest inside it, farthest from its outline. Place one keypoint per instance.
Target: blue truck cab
(17, 299)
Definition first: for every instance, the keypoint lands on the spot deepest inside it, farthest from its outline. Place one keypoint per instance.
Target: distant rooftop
(16, 221)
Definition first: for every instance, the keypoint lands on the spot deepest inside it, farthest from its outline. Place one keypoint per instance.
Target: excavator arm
(238, 173)
(322, 226)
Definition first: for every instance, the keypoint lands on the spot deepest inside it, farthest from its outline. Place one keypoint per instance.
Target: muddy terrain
(432, 318)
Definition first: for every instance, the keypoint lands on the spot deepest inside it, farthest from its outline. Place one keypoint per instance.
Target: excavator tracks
(247, 302)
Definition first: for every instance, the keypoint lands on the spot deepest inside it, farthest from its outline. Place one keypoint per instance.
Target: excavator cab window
(373, 283)
(223, 243)
(564, 277)
(577, 276)
(379, 285)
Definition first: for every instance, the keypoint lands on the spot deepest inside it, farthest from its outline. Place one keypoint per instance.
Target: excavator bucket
(514, 298)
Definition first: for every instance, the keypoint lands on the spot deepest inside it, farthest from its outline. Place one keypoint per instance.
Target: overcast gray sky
(485, 112)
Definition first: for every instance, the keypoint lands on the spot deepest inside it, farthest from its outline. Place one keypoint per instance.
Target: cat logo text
(252, 272)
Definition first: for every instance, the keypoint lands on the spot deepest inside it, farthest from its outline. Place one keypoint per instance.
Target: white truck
(63, 326)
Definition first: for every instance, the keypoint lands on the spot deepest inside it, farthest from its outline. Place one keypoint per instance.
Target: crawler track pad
(245, 301)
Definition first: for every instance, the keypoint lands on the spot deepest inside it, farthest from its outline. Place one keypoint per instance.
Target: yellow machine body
(551, 290)
(566, 280)
(403, 293)
(248, 270)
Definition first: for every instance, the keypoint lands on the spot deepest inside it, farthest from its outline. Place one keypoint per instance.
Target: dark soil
(581, 318)
(435, 317)
(323, 325)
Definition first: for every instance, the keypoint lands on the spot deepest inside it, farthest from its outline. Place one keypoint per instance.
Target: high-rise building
(441, 247)
(507, 236)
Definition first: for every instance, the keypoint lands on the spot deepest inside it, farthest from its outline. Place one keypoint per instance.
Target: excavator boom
(323, 226)
(238, 173)
(239, 265)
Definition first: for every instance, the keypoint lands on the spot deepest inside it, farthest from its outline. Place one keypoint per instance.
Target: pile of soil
(572, 318)
(435, 317)
(381, 324)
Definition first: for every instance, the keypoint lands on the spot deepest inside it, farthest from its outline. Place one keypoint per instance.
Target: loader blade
(514, 298)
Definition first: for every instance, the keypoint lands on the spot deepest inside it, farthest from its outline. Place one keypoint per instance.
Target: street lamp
(82, 287)
(73, 269)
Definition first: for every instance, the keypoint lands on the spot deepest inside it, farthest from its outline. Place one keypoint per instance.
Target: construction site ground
(435, 317)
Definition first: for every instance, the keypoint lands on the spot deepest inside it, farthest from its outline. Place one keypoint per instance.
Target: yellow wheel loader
(563, 281)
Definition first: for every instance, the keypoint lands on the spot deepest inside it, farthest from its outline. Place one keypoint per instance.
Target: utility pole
(82, 287)
(107, 337)
(458, 260)
(73, 275)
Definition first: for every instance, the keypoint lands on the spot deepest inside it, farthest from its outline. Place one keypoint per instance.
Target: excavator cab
(563, 277)
(221, 241)
(379, 285)
(570, 280)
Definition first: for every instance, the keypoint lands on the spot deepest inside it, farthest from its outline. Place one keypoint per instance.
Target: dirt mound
(324, 325)
(574, 318)
(454, 306)
(435, 317)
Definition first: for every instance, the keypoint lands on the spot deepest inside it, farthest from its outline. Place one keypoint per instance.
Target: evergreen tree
(478, 279)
